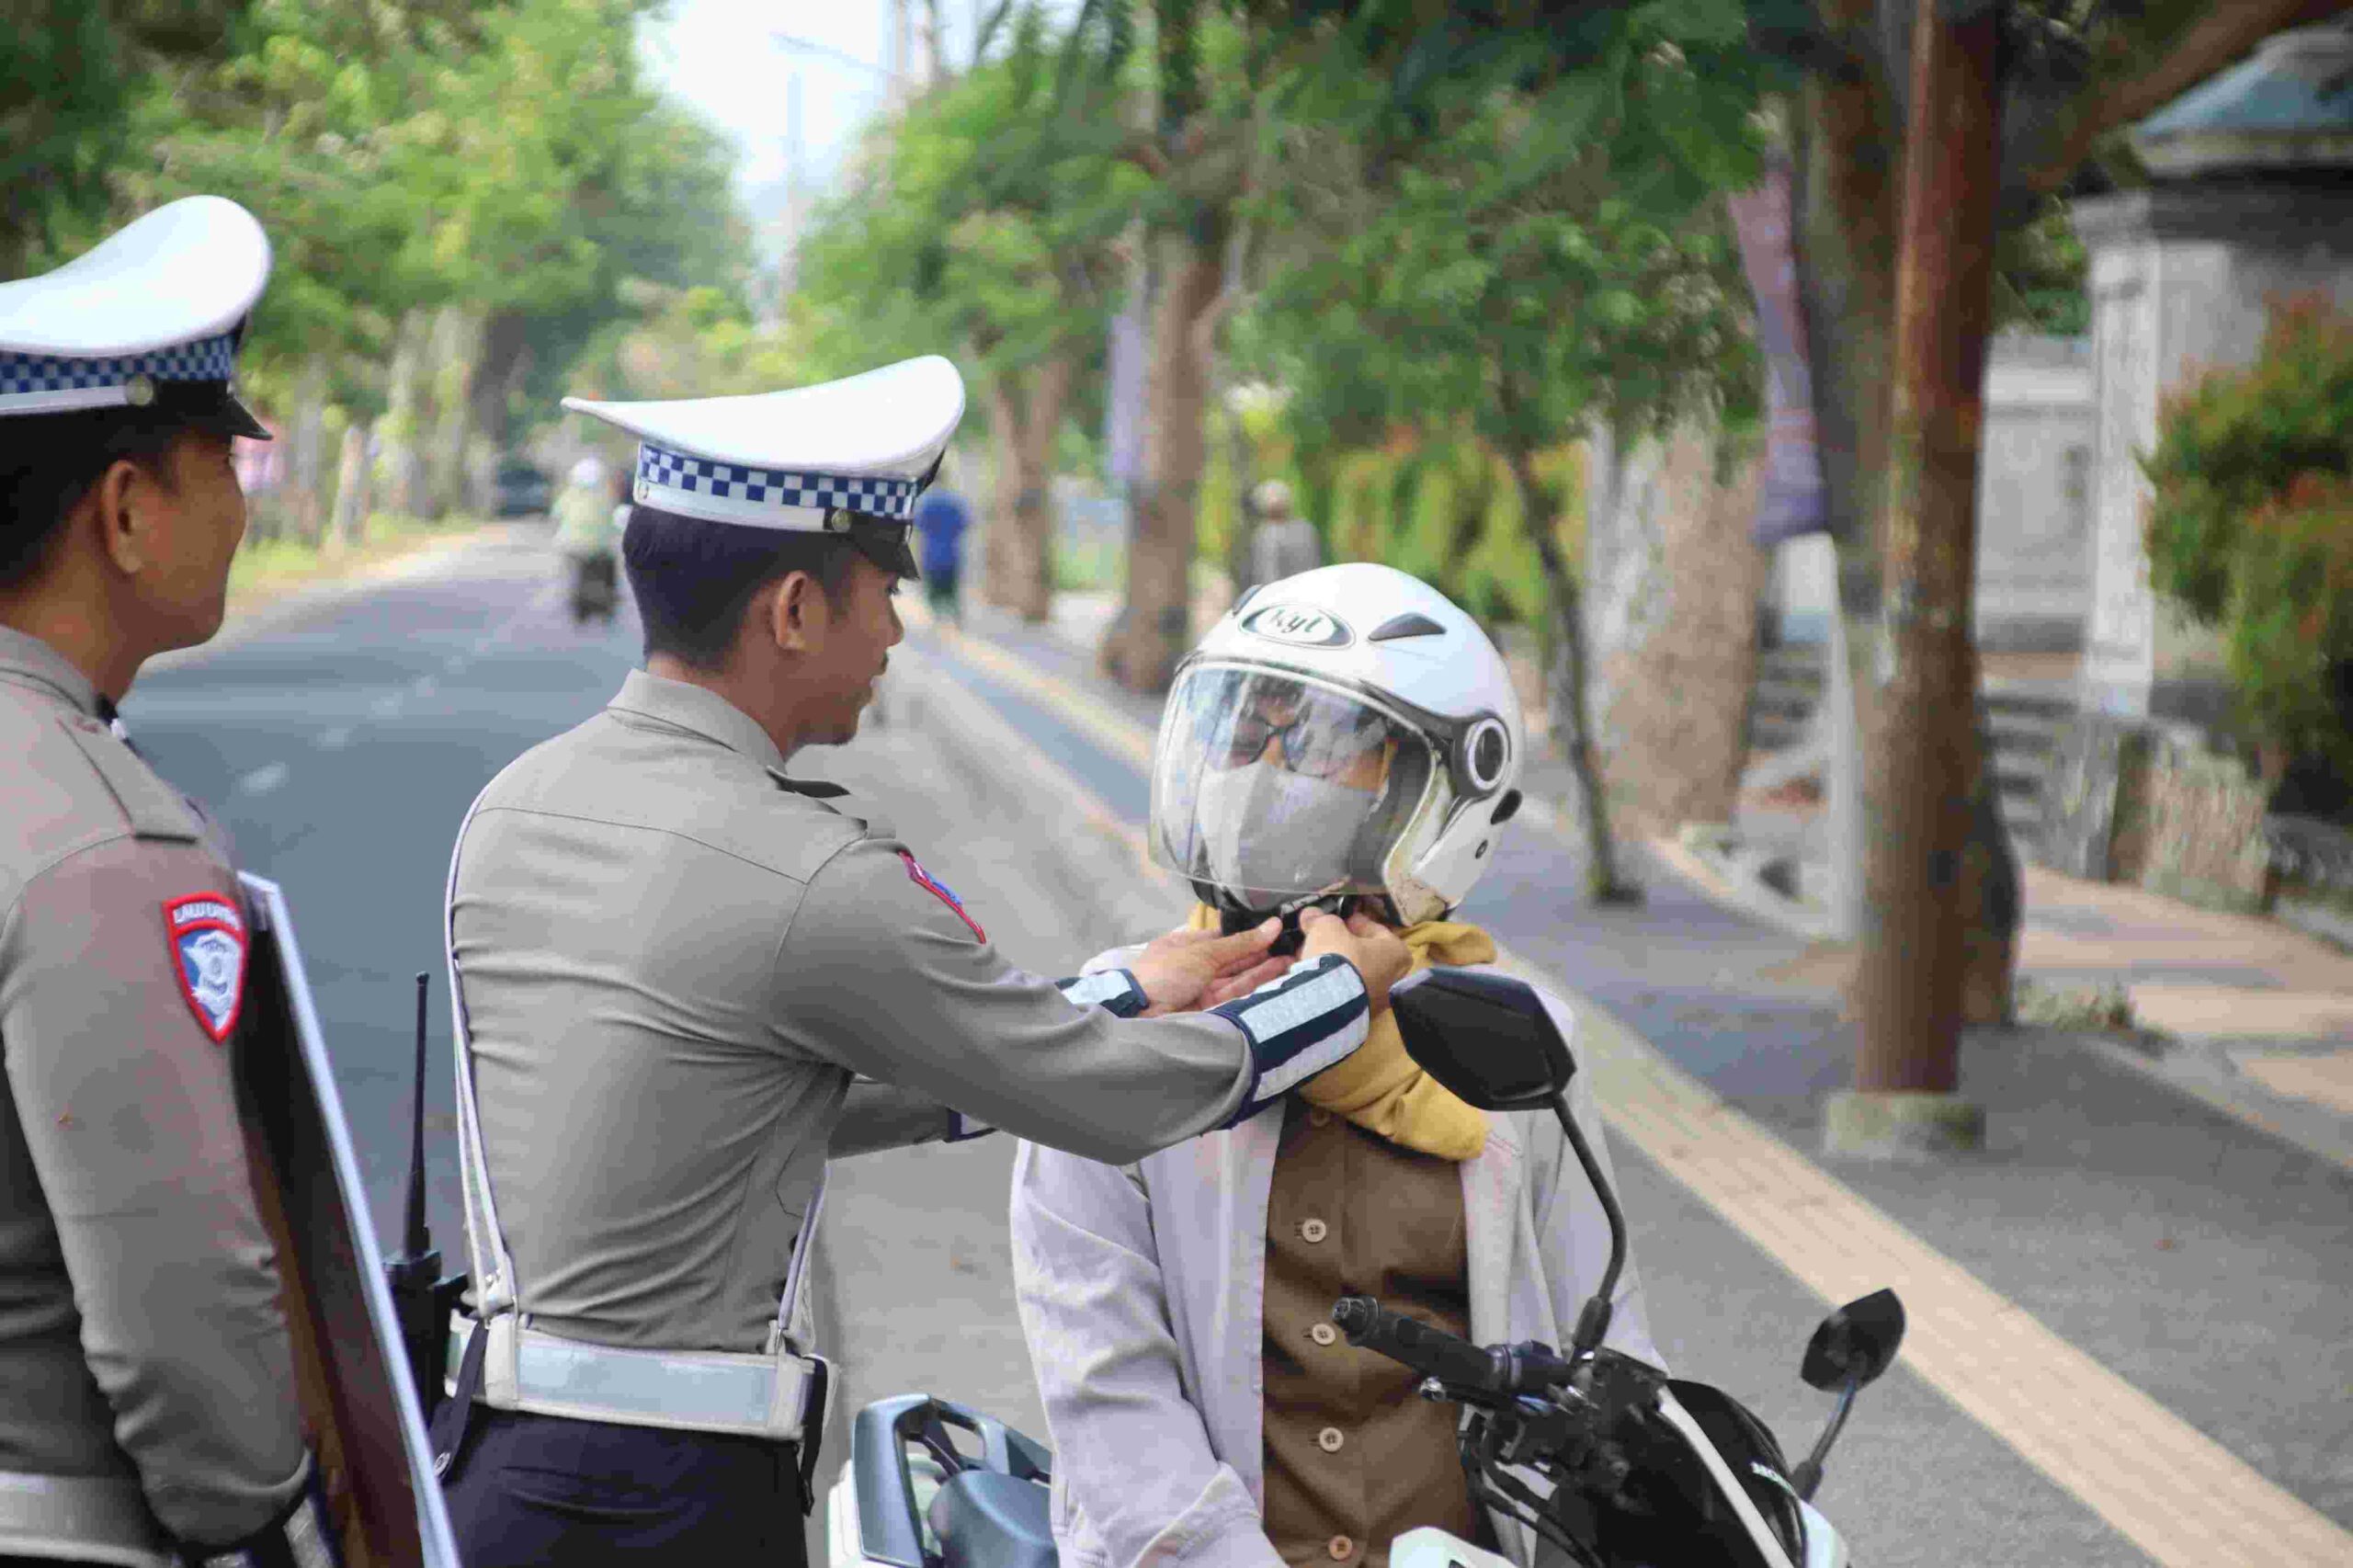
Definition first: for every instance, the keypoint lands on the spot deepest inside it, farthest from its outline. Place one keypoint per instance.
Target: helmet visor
(1272, 787)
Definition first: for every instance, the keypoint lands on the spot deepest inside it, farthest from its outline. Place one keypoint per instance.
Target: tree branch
(2176, 45)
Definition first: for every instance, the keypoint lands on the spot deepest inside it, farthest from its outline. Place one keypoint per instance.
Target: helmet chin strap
(1232, 920)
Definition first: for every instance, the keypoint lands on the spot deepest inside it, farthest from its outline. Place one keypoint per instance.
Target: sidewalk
(2147, 1304)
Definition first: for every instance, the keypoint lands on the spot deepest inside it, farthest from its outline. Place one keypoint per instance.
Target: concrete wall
(2034, 567)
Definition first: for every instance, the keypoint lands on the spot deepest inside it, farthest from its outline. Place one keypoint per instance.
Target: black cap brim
(210, 406)
(884, 543)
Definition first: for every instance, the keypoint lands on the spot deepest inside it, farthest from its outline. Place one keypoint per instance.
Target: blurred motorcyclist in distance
(1348, 738)
(589, 512)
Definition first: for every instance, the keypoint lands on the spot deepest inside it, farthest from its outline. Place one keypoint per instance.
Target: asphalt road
(342, 744)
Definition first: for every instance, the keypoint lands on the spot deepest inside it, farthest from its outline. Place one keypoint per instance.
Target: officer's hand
(1178, 970)
(1380, 954)
(1224, 991)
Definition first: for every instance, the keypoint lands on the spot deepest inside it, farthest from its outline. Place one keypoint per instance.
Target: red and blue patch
(207, 933)
(923, 878)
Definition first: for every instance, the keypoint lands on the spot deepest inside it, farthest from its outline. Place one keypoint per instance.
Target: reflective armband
(302, 1536)
(1297, 1026)
(1113, 990)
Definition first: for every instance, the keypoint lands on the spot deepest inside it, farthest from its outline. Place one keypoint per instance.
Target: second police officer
(148, 1411)
(684, 977)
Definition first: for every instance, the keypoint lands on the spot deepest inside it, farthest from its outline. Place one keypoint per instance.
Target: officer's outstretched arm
(128, 1113)
(882, 975)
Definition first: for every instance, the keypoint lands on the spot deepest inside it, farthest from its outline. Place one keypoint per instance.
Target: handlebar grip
(1431, 1351)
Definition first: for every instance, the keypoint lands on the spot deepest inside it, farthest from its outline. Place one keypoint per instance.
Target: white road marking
(454, 663)
(334, 739)
(424, 685)
(387, 705)
(262, 780)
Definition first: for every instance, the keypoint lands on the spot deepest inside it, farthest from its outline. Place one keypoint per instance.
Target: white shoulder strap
(495, 1291)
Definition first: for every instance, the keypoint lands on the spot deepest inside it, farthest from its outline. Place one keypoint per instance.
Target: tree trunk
(402, 425)
(1155, 625)
(456, 348)
(1024, 416)
(1848, 209)
(498, 372)
(1925, 762)
(1571, 703)
(306, 454)
(353, 484)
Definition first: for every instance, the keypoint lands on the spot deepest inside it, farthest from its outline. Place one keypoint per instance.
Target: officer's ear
(129, 507)
(799, 613)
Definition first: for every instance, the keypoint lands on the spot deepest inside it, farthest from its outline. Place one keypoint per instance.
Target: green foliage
(402, 155)
(1486, 262)
(2289, 634)
(2251, 526)
(987, 221)
(2041, 276)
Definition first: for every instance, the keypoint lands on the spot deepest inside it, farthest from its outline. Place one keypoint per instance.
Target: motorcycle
(1604, 1456)
(595, 587)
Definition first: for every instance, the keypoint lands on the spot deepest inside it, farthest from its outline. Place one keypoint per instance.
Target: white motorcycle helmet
(1344, 733)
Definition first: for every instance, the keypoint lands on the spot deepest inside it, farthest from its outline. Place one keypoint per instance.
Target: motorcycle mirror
(1854, 1344)
(1486, 1037)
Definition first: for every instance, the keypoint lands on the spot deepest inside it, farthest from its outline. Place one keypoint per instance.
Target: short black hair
(49, 461)
(694, 579)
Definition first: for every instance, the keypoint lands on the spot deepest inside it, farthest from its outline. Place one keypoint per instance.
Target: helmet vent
(1411, 624)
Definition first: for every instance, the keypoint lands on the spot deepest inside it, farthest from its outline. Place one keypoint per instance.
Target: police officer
(684, 977)
(147, 1405)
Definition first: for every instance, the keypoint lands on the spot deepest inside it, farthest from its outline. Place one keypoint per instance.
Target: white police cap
(813, 460)
(150, 317)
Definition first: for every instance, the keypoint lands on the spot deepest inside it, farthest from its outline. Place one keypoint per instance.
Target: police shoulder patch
(923, 878)
(207, 933)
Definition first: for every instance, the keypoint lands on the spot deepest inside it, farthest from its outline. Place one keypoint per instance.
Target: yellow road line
(2175, 1493)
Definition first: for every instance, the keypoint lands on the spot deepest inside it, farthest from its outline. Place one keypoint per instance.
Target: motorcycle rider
(1346, 737)
(587, 537)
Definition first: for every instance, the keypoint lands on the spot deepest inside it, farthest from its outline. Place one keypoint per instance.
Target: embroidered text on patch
(922, 877)
(207, 933)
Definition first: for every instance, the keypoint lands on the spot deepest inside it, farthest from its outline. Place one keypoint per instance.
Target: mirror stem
(1593, 1323)
(1808, 1474)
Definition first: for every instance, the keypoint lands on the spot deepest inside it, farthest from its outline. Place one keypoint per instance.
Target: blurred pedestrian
(1282, 545)
(147, 1396)
(941, 518)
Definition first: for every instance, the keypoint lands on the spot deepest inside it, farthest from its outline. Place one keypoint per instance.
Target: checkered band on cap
(206, 359)
(760, 487)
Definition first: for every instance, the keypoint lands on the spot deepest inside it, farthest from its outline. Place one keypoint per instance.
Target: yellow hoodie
(1379, 1087)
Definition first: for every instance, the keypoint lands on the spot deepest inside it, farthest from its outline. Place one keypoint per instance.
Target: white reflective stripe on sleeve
(1284, 1006)
(1313, 1059)
(1095, 990)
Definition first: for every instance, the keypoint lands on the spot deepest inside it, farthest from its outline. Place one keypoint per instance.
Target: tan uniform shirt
(140, 1328)
(673, 958)
(1354, 1457)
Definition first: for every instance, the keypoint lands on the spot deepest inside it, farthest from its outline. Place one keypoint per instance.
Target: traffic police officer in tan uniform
(684, 977)
(147, 1406)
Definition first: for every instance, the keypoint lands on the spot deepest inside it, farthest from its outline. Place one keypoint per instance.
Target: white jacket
(1143, 1287)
